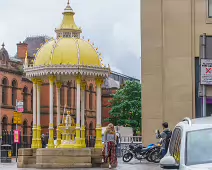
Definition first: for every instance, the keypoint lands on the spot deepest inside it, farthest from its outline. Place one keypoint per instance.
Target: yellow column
(98, 144)
(34, 129)
(51, 127)
(83, 86)
(77, 138)
(59, 85)
(39, 143)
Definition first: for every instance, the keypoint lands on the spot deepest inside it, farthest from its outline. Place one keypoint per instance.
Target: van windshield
(198, 147)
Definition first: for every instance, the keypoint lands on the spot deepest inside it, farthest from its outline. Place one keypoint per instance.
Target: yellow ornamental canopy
(67, 51)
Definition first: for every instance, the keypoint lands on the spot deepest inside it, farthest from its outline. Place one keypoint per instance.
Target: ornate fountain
(67, 130)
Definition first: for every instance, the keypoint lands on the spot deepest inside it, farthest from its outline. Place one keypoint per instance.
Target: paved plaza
(133, 165)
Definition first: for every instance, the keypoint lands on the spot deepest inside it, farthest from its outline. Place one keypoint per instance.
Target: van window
(198, 147)
(174, 147)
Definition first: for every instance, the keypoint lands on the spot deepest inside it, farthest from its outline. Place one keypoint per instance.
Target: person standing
(109, 151)
(43, 141)
(165, 136)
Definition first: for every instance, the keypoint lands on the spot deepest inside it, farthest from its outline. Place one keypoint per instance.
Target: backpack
(168, 138)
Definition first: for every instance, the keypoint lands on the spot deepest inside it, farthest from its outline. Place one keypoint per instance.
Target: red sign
(17, 135)
(21, 110)
(208, 70)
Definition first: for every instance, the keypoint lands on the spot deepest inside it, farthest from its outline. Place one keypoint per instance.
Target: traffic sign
(17, 119)
(20, 106)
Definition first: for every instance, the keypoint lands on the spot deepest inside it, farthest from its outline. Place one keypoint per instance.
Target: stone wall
(60, 158)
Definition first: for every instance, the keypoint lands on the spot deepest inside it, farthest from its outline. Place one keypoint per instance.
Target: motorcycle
(138, 152)
(153, 148)
(156, 155)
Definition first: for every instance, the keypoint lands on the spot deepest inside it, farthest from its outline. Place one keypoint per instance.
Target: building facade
(171, 32)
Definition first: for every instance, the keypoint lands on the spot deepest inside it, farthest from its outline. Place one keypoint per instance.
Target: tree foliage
(126, 106)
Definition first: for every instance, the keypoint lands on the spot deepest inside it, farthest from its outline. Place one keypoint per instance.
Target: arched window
(91, 97)
(4, 91)
(4, 123)
(69, 94)
(32, 99)
(91, 129)
(14, 92)
(25, 131)
(25, 96)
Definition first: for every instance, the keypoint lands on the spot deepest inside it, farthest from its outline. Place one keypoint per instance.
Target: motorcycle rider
(165, 136)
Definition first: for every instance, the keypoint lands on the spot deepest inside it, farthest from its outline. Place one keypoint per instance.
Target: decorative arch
(4, 90)
(91, 96)
(14, 91)
(25, 98)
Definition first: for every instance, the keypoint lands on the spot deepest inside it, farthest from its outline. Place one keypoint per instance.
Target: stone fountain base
(59, 158)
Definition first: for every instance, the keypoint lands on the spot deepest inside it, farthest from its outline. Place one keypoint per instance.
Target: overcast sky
(113, 26)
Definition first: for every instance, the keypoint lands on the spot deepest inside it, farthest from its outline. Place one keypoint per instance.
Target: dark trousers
(164, 151)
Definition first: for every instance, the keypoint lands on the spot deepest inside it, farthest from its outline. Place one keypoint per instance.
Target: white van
(190, 146)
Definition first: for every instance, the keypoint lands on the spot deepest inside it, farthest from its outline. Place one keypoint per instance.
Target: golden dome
(67, 51)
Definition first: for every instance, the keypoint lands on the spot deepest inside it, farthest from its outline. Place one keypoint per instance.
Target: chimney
(21, 50)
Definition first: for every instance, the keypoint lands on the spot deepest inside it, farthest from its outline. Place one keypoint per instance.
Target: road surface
(133, 165)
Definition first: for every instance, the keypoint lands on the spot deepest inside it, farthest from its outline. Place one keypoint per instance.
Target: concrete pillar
(59, 85)
(78, 140)
(98, 144)
(83, 86)
(34, 129)
(39, 143)
(51, 109)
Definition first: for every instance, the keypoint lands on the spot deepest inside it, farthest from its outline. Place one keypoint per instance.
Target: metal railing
(131, 139)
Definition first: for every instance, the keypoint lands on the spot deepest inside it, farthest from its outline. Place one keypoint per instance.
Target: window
(197, 142)
(25, 98)
(14, 92)
(210, 8)
(174, 147)
(4, 91)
